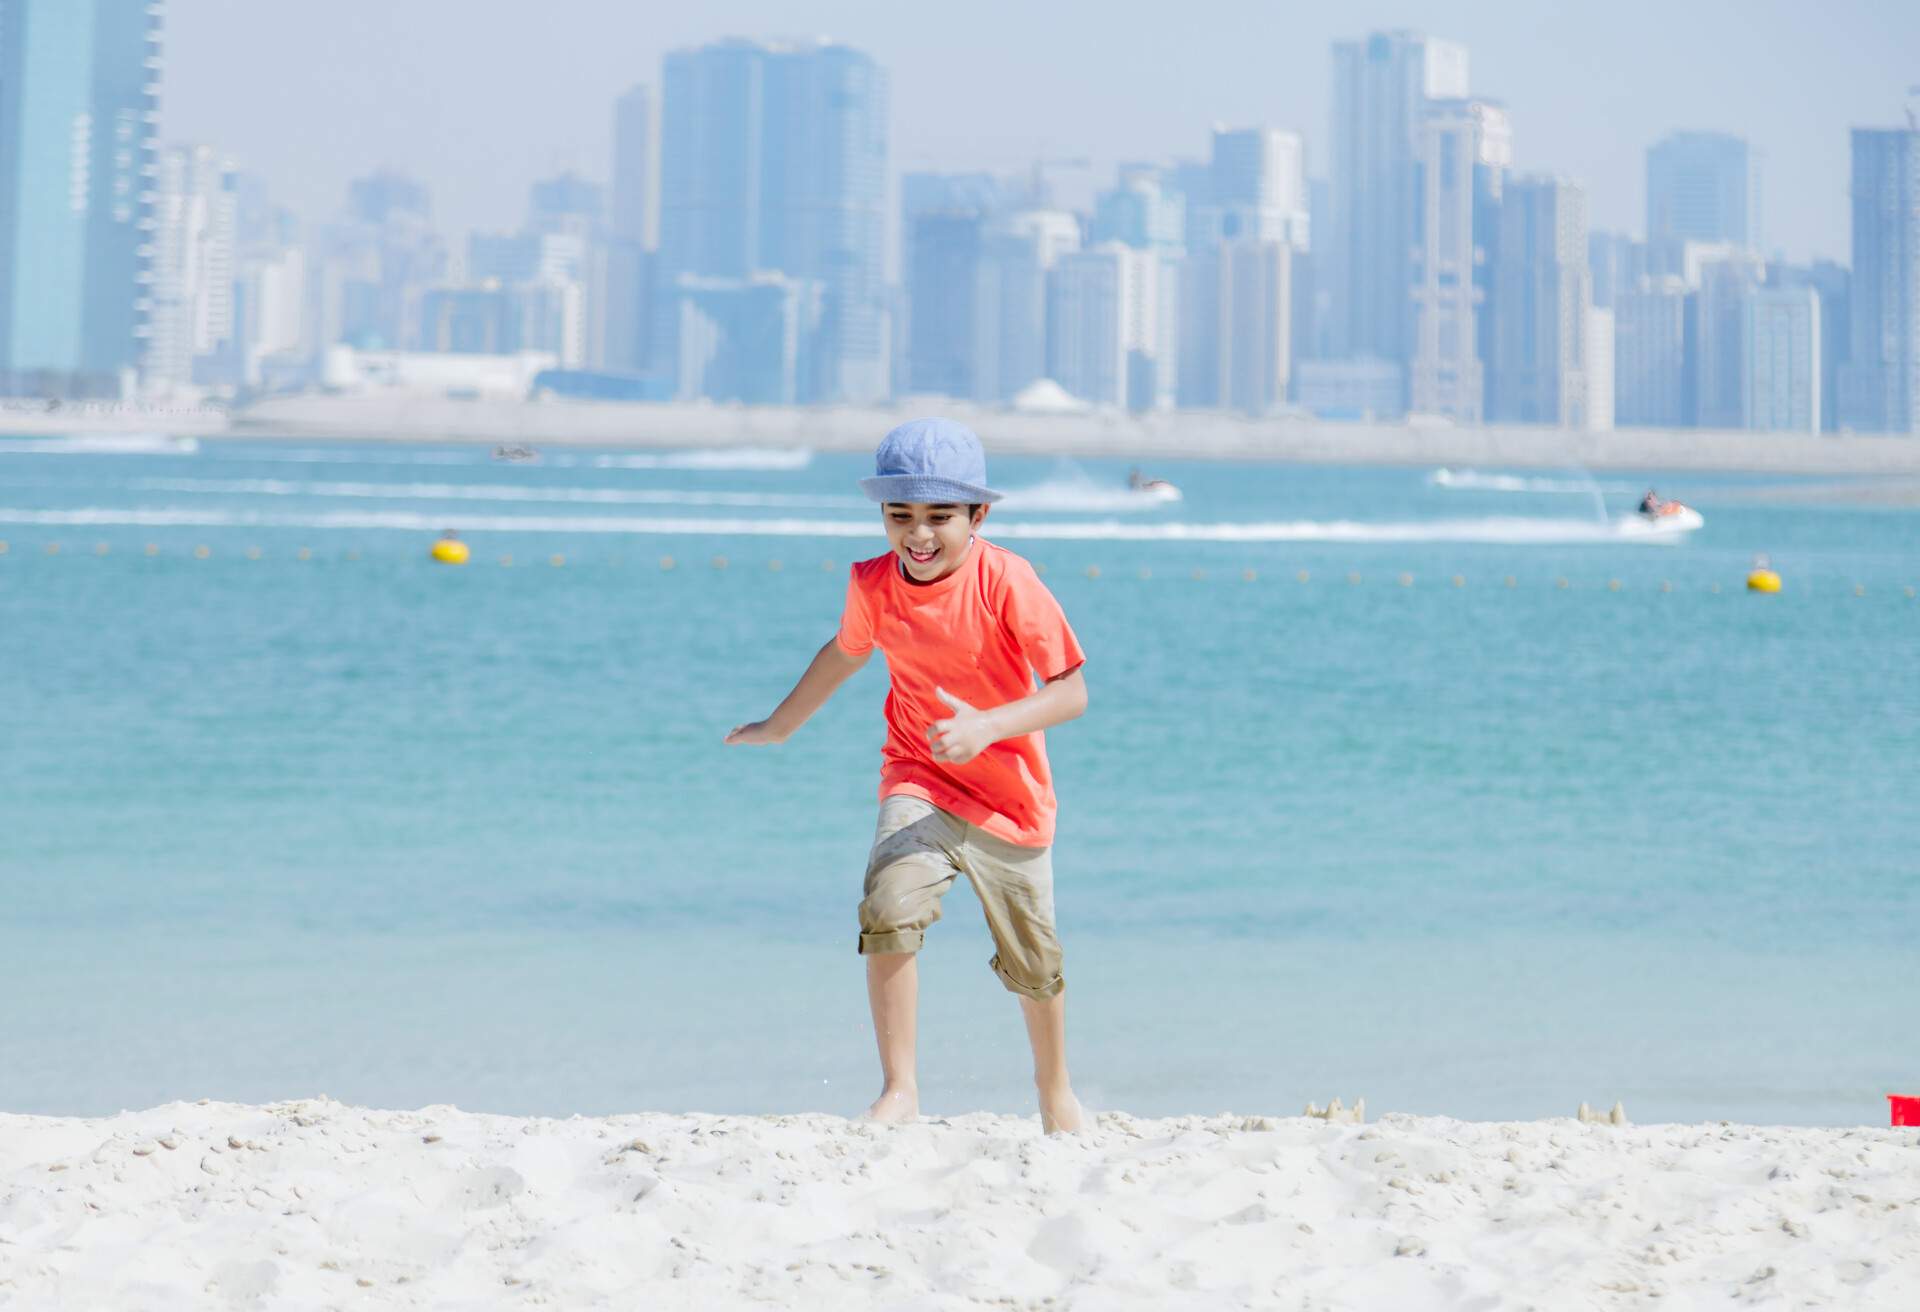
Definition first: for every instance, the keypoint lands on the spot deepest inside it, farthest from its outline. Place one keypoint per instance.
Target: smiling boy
(968, 629)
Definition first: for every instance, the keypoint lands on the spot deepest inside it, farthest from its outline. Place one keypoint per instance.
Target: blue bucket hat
(932, 460)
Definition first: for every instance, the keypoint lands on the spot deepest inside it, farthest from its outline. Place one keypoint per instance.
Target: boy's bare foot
(1060, 1112)
(894, 1106)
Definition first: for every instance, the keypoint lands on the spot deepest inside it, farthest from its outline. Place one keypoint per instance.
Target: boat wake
(1470, 480)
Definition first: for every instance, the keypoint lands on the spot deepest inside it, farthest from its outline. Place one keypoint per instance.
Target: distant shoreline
(381, 417)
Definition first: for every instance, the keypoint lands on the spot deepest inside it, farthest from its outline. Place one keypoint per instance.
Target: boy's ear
(980, 515)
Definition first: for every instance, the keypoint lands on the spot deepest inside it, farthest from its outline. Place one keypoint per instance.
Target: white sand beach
(313, 1204)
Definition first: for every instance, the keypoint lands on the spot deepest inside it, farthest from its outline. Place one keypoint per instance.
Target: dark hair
(974, 509)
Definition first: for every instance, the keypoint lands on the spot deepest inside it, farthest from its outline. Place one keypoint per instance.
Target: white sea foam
(103, 444)
(1514, 531)
(744, 458)
(1476, 481)
(276, 487)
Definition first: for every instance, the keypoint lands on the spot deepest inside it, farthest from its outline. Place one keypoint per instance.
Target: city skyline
(434, 90)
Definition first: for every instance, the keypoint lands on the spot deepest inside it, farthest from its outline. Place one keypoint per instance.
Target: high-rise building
(1382, 88)
(1880, 385)
(1599, 357)
(1703, 186)
(942, 285)
(191, 317)
(1537, 373)
(935, 307)
(1010, 299)
(1650, 355)
(773, 160)
(1717, 324)
(79, 95)
(747, 339)
(1782, 364)
(636, 168)
(1617, 263)
(1831, 283)
(1141, 210)
(1255, 309)
(1088, 296)
(625, 319)
(1466, 147)
(372, 269)
(1256, 188)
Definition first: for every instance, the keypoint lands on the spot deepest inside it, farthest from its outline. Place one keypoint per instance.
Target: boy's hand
(963, 735)
(757, 734)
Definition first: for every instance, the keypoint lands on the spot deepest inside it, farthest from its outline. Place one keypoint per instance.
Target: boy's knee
(1038, 981)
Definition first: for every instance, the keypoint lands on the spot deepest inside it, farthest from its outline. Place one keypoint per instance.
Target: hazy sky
(479, 97)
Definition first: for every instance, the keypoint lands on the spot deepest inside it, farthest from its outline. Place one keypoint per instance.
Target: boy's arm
(832, 666)
(969, 732)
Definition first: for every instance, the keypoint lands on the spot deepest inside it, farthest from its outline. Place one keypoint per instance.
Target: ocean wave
(1511, 531)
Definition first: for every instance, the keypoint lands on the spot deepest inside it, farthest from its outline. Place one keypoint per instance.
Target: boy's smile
(930, 539)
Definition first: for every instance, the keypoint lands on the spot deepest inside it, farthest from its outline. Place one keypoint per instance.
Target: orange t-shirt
(982, 633)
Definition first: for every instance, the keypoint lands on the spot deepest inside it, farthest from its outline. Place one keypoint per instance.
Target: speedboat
(515, 453)
(1670, 518)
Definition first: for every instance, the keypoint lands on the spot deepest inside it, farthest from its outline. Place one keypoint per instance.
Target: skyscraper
(1466, 147)
(1537, 374)
(942, 283)
(1704, 186)
(636, 168)
(1255, 309)
(191, 315)
(79, 93)
(1880, 386)
(626, 272)
(1088, 338)
(936, 316)
(1717, 330)
(1382, 88)
(1256, 188)
(1010, 299)
(773, 159)
(1782, 365)
(1650, 355)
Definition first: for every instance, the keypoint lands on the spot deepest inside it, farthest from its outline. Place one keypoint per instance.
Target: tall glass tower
(774, 160)
(1383, 88)
(1880, 387)
(79, 95)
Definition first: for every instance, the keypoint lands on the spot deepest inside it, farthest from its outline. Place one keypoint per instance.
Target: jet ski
(1152, 489)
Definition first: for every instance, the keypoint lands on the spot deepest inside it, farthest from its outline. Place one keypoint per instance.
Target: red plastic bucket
(1906, 1109)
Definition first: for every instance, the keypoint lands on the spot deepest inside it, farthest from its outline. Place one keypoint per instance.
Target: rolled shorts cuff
(1041, 992)
(894, 940)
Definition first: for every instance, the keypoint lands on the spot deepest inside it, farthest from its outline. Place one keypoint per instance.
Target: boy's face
(930, 539)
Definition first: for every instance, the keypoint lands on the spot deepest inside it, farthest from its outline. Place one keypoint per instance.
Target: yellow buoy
(451, 551)
(1763, 580)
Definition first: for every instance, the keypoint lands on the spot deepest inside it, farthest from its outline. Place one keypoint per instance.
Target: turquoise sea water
(403, 833)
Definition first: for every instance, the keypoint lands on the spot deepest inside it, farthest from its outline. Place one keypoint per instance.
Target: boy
(964, 783)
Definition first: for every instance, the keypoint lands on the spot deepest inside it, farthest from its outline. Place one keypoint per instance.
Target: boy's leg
(893, 991)
(908, 871)
(1015, 885)
(1047, 1032)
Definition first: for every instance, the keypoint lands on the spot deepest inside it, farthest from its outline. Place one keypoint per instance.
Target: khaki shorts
(917, 851)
